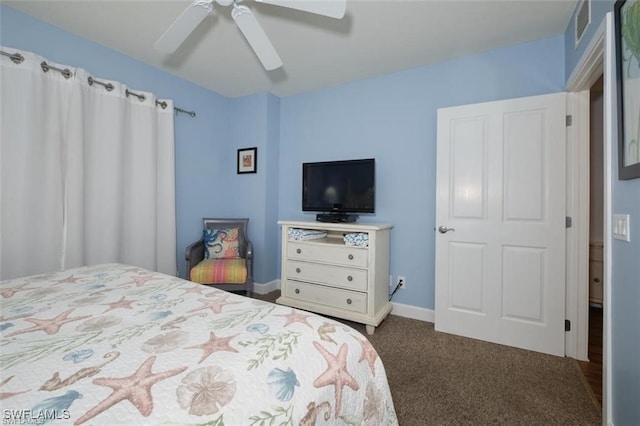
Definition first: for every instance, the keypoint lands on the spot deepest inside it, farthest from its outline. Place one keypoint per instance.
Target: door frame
(596, 60)
(577, 236)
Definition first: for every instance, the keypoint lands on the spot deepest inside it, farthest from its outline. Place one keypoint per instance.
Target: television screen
(339, 186)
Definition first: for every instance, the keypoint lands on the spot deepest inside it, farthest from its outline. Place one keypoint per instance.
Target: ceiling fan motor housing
(225, 2)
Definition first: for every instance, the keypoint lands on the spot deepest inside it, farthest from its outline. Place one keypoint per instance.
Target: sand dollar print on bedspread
(206, 389)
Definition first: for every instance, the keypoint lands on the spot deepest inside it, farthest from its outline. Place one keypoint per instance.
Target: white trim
(413, 312)
(577, 271)
(589, 67)
(266, 288)
(609, 133)
(596, 60)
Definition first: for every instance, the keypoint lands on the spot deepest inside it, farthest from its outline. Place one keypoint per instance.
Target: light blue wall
(393, 119)
(625, 301)
(573, 53)
(625, 307)
(272, 233)
(625, 260)
(255, 123)
(199, 140)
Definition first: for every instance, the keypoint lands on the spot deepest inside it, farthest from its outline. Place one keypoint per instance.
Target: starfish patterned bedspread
(116, 344)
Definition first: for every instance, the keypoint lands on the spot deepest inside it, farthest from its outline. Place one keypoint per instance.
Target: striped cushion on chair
(220, 271)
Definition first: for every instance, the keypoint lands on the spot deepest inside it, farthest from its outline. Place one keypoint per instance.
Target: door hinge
(567, 325)
(569, 120)
(568, 222)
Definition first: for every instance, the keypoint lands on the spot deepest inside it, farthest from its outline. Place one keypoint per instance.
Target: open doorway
(592, 369)
(596, 61)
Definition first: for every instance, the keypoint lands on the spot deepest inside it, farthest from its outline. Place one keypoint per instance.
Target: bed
(117, 344)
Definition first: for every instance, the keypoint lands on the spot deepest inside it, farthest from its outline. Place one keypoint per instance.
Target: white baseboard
(265, 288)
(413, 312)
(400, 309)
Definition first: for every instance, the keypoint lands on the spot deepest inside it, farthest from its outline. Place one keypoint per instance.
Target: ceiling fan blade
(332, 8)
(257, 38)
(184, 25)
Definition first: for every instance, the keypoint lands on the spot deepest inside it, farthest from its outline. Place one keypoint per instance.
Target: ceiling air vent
(583, 19)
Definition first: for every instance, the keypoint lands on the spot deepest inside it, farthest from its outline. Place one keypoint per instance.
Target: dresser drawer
(595, 281)
(337, 276)
(336, 298)
(329, 253)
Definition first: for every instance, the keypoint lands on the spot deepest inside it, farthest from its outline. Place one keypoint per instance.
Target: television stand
(329, 277)
(336, 218)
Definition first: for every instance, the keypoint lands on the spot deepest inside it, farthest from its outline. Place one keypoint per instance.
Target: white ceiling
(375, 37)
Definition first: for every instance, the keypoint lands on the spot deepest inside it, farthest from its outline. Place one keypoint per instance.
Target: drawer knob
(349, 278)
(596, 280)
(348, 301)
(298, 251)
(297, 291)
(350, 257)
(298, 270)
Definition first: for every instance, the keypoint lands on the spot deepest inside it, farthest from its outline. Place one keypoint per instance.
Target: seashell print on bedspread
(117, 344)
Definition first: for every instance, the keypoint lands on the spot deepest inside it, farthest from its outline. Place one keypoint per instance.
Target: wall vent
(583, 19)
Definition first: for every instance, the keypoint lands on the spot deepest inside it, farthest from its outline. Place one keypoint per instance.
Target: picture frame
(247, 160)
(627, 37)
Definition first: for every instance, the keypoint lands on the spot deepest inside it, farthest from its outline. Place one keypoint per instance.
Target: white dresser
(327, 276)
(595, 272)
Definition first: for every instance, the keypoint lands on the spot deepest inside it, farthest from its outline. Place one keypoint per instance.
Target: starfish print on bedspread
(214, 344)
(336, 373)
(10, 291)
(125, 304)
(192, 289)
(135, 388)
(140, 280)
(68, 280)
(369, 354)
(215, 305)
(295, 316)
(49, 326)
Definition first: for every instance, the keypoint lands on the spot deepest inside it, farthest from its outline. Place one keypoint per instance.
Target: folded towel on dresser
(306, 234)
(360, 239)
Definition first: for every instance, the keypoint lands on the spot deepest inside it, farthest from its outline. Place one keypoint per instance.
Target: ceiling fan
(246, 21)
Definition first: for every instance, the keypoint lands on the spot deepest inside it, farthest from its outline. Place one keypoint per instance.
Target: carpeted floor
(441, 379)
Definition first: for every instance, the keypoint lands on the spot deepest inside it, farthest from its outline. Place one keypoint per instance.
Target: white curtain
(87, 174)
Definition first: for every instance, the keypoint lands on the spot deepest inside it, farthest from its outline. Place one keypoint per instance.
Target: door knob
(443, 229)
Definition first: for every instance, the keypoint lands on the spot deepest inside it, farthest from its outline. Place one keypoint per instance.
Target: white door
(500, 207)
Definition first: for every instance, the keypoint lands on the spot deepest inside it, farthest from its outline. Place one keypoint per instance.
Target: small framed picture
(247, 160)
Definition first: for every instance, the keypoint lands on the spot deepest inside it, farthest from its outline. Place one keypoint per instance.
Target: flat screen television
(339, 190)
